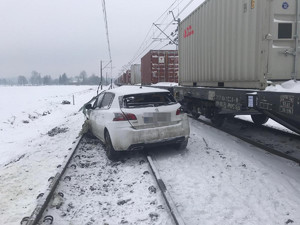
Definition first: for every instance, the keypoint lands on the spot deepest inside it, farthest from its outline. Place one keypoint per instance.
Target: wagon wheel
(217, 120)
(259, 119)
(195, 115)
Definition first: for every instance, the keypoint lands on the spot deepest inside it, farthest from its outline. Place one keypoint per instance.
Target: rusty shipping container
(159, 66)
(240, 43)
(126, 77)
(123, 79)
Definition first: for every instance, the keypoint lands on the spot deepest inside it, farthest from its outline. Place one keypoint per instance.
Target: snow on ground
(222, 180)
(288, 86)
(271, 123)
(29, 155)
(217, 180)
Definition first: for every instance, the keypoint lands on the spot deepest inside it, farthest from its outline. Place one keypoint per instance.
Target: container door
(283, 62)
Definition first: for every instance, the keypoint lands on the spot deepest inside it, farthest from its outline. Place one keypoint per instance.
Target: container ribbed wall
(224, 43)
(159, 66)
(135, 74)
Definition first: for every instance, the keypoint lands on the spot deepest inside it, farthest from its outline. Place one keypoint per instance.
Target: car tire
(111, 153)
(182, 145)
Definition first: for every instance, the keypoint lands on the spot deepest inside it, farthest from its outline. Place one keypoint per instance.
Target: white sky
(57, 36)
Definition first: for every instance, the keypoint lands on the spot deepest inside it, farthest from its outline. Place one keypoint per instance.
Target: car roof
(131, 89)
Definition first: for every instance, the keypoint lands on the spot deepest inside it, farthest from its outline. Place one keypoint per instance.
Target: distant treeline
(37, 79)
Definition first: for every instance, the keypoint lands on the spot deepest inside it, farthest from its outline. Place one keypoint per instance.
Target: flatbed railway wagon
(231, 50)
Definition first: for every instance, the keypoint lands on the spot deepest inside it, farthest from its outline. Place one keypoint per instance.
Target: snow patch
(288, 86)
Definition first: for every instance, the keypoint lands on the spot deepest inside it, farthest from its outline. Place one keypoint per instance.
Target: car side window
(107, 100)
(98, 101)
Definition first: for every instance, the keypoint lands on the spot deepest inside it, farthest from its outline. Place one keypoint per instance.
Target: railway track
(90, 189)
(274, 141)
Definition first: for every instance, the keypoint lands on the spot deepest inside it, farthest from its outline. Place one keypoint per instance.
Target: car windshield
(148, 100)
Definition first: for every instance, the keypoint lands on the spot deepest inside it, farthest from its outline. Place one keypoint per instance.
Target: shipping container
(135, 74)
(159, 66)
(239, 43)
(128, 77)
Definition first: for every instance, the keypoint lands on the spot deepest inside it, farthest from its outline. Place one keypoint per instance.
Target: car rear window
(148, 100)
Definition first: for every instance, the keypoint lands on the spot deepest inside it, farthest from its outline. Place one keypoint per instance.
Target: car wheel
(182, 145)
(111, 153)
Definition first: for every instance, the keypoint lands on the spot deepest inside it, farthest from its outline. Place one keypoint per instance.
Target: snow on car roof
(128, 90)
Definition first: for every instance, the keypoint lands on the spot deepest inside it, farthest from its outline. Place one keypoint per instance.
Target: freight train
(230, 51)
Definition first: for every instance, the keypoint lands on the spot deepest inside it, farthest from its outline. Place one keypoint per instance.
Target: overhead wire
(145, 41)
(145, 44)
(164, 13)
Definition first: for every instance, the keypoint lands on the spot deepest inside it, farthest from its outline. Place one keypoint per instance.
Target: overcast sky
(68, 36)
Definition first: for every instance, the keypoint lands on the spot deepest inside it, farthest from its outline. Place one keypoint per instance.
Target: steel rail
(169, 201)
(252, 142)
(46, 197)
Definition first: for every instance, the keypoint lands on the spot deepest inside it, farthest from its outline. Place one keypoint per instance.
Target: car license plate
(157, 117)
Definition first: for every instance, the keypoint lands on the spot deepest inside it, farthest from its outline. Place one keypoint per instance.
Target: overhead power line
(150, 39)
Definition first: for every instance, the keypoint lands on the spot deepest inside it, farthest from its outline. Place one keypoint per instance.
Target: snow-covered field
(222, 180)
(29, 156)
(217, 180)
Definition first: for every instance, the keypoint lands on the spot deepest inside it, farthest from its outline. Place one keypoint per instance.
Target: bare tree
(22, 80)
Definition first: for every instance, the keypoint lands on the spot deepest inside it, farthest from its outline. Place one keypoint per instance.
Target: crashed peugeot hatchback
(134, 117)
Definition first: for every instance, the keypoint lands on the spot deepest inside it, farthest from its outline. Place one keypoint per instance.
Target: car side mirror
(88, 106)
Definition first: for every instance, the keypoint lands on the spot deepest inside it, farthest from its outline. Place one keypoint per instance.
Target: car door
(103, 114)
(95, 115)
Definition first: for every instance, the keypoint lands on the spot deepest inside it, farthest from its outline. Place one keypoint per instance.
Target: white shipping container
(239, 43)
(136, 74)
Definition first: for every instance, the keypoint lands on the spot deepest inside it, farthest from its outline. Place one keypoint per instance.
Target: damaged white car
(133, 117)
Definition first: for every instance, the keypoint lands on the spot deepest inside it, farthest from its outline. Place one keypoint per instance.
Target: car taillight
(130, 116)
(121, 117)
(178, 111)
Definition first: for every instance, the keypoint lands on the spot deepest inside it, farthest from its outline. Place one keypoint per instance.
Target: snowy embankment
(36, 131)
(220, 179)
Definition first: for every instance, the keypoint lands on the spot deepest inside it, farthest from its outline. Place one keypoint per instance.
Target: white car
(133, 117)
